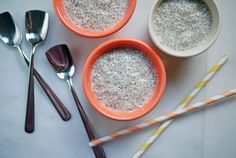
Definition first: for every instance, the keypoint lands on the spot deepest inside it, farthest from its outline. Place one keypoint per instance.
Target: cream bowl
(202, 47)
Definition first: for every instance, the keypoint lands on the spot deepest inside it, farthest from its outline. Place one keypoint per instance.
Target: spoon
(11, 36)
(36, 23)
(61, 61)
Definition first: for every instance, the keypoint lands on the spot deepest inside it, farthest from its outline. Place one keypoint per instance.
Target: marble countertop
(205, 134)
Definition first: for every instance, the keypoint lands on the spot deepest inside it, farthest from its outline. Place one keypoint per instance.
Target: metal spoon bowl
(36, 22)
(9, 31)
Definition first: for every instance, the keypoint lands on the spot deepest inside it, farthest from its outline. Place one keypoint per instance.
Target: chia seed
(96, 15)
(182, 25)
(124, 79)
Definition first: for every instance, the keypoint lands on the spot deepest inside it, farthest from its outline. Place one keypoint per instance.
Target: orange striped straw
(197, 106)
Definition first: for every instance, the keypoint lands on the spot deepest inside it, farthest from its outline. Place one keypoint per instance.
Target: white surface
(205, 134)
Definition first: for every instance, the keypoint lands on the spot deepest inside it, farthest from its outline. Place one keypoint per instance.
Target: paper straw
(197, 106)
(183, 104)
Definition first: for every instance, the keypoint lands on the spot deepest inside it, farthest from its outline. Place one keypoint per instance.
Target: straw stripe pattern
(163, 118)
(184, 103)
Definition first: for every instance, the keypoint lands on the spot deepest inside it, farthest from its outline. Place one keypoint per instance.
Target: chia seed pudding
(96, 15)
(182, 25)
(124, 79)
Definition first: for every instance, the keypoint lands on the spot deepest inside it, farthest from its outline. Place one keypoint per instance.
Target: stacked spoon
(11, 36)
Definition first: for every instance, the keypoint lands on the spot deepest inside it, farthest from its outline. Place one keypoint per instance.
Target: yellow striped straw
(183, 104)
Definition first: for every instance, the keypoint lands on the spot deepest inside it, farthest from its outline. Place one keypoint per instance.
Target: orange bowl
(104, 48)
(61, 13)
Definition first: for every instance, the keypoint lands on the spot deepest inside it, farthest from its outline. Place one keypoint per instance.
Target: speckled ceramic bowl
(199, 49)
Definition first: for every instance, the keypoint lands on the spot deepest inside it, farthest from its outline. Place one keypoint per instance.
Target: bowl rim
(60, 12)
(190, 54)
(102, 49)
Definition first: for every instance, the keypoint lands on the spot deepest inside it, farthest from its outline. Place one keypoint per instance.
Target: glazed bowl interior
(61, 13)
(203, 46)
(106, 47)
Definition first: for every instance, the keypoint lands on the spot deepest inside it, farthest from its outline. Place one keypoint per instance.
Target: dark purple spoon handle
(59, 106)
(98, 150)
(29, 122)
(61, 109)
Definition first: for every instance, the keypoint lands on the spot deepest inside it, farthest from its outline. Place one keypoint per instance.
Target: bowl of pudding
(184, 28)
(124, 79)
(94, 18)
